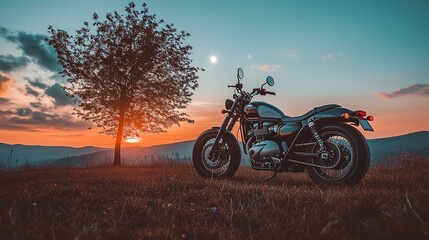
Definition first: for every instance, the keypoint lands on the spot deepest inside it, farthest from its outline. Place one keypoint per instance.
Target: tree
(129, 75)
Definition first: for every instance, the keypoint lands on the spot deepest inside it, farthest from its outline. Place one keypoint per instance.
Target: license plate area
(365, 125)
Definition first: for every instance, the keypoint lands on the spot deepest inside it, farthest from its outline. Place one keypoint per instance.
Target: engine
(264, 148)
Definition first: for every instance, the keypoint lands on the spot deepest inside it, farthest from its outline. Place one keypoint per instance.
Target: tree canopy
(129, 74)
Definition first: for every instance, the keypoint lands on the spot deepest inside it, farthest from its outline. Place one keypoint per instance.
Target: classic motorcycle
(323, 140)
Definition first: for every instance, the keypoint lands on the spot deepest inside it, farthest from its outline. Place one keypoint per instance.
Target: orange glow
(132, 140)
(388, 123)
(346, 116)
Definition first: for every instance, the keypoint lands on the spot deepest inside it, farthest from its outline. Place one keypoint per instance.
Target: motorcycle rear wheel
(225, 165)
(354, 155)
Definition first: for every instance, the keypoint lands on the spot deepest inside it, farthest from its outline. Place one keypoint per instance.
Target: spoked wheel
(227, 162)
(348, 155)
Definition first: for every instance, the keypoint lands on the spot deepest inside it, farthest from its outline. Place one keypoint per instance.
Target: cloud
(292, 55)
(31, 91)
(416, 90)
(29, 120)
(4, 101)
(4, 125)
(328, 57)
(3, 113)
(23, 112)
(37, 83)
(35, 47)
(37, 105)
(268, 68)
(59, 95)
(5, 81)
(249, 56)
(9, 63)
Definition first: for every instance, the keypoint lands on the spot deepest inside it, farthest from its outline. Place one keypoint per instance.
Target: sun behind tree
(129, 75)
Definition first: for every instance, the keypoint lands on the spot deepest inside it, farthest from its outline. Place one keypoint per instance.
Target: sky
(369, 55)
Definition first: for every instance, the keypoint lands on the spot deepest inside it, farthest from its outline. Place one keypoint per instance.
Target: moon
(213, 59)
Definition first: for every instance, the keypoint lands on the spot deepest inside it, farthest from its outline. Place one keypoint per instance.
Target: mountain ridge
(381, 149)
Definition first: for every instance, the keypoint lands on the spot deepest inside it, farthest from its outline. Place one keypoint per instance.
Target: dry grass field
(175, 203)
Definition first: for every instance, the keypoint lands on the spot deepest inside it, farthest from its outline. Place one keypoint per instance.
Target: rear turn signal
(346, 116)
(223, 111)
(370, 118)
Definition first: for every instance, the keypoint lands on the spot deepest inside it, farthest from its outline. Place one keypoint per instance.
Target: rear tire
(355, 156)
(223, 167)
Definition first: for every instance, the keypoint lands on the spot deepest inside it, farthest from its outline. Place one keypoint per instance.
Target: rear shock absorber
(318, 139)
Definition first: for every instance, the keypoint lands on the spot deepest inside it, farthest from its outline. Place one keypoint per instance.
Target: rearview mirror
(240, 73)
(270, 81)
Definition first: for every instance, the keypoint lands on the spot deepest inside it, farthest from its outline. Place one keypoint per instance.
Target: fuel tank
(262, 110)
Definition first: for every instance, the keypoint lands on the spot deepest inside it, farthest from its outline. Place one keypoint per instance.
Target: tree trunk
(117, 158)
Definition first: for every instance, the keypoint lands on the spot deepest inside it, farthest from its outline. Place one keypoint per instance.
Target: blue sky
(318, 52)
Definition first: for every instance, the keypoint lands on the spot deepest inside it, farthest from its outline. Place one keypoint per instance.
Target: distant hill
(178, 152)
(19, 154)
(381, 149)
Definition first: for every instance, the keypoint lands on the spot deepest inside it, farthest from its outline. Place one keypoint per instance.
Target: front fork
(226, 125)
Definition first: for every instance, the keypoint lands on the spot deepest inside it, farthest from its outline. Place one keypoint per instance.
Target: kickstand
(269, 178)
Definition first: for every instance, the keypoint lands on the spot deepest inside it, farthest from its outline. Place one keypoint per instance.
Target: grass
(175, 203)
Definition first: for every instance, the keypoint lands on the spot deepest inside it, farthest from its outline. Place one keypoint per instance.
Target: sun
(132, 140)
(213, 59)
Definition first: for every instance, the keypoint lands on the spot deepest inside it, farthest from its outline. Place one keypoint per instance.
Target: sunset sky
(370, 55)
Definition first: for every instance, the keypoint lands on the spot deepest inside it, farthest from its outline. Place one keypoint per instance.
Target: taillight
(370, 118)
(360, 114)
(346, 116)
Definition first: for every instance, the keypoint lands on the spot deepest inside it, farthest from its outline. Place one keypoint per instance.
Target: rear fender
(335, 115)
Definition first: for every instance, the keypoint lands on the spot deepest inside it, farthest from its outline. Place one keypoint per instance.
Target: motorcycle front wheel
(349, 151)
(227, 162)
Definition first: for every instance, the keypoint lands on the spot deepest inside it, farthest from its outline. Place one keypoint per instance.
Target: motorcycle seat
(309, 113)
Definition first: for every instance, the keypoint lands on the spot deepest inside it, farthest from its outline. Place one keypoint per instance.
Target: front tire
(354, 155)
(229, 158)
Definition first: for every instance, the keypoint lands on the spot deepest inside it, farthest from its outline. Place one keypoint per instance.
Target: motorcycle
(325, 140)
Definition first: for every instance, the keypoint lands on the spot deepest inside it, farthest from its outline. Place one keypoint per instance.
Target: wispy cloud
(5, 81)
(416, 90)
(328, 57)
(268, 68)
(292, 54)
(249, 56)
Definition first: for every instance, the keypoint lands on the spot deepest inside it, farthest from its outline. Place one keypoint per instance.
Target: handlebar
(238, 86)
(262, 91)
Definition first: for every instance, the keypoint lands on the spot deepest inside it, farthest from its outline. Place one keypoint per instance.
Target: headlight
(228, 104)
